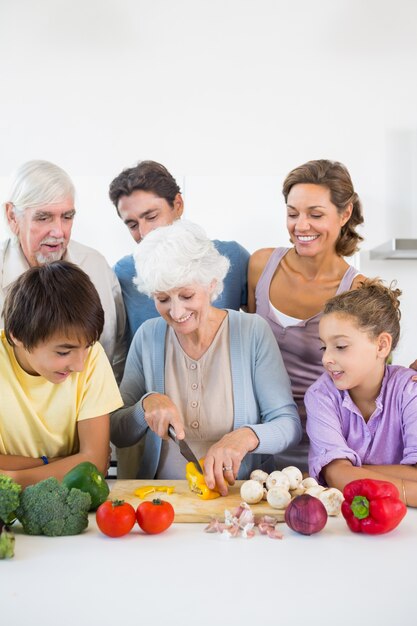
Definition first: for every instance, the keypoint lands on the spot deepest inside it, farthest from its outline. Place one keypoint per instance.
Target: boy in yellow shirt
(57, 386)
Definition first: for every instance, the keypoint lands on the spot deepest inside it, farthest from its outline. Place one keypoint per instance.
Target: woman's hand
(160, 412)
(223, 459)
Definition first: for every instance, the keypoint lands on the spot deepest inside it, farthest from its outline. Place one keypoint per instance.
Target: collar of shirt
(348, 403)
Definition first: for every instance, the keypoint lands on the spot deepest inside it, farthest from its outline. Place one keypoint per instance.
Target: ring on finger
(227, 468)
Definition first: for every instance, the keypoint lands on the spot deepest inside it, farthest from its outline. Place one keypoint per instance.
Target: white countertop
(188, 577)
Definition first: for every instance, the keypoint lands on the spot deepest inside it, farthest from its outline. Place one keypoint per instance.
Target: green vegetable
(50, 508)
(6, 542)
(88, 478)
(9, 498)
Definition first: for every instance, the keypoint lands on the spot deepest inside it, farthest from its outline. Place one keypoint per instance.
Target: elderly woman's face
(185, 308)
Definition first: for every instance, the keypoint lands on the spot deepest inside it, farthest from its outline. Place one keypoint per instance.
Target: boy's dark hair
(145, 176)
(55, 298)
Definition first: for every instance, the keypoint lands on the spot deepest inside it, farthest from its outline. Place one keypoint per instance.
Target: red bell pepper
(372, 506)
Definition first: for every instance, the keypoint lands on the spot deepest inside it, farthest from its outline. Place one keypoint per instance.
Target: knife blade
(185, 449)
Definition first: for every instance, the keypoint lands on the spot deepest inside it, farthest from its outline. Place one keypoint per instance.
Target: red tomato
(115, 518)
(155, 516)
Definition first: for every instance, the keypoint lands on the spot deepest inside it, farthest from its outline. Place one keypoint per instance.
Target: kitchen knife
(185, 449)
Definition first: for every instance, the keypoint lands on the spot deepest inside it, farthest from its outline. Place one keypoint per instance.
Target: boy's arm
(17, 462)
(93, 435)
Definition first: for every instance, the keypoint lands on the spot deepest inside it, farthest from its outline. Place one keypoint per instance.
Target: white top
(284, 320)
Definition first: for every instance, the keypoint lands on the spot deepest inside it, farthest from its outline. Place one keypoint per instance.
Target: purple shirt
(337, 429)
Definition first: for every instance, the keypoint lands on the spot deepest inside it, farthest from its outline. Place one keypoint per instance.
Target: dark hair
(145, 176)
(336, 178)
(375, 307)
(54, 298)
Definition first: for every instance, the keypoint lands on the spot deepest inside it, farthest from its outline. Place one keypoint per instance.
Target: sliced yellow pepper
(197, 484)
(142, 492)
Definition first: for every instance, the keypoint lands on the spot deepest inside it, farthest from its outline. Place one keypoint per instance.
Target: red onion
(306, 515)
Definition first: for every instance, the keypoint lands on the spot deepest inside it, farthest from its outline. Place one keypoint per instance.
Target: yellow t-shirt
(38, 417)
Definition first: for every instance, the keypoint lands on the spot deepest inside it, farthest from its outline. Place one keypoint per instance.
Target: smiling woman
(215, 375)
(289, 286)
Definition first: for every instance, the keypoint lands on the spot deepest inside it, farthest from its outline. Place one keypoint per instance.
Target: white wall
(228, 94)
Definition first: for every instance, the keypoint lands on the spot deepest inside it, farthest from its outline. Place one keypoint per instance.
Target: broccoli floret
(9, 498)
(50, 508)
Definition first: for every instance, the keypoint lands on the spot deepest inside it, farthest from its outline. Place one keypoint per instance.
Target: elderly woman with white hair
(215, 375)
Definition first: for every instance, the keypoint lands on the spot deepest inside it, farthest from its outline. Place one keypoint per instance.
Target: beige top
(202, 390)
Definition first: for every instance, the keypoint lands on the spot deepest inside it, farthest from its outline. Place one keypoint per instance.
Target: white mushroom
(297, 492)
(251, 491)
(309, 482)
(332, 499)
(277, 479)
(315, 490)
(294, 475)
(259, 475)
(278, 497)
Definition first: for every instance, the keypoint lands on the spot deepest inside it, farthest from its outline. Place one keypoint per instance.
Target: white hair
(177, 255)
(36, 183)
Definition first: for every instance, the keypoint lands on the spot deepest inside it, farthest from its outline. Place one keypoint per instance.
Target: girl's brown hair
(375, 307)
(336, 178)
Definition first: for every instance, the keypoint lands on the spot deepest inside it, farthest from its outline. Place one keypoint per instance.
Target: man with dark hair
(147, 196)
(57, 384)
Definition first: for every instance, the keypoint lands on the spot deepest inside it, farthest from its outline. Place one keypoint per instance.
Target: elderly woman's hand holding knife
(223, 459)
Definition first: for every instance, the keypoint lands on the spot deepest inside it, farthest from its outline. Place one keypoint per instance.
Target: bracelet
(404, 494)
(45, 460)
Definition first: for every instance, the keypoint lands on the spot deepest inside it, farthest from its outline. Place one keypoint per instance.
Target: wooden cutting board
(188, 506)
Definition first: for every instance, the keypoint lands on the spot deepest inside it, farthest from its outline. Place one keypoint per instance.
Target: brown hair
(336, 178)
(55, 298)
(145, 176)
(375, 307)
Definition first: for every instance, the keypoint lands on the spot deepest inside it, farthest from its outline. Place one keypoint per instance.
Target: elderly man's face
(44, 232)
(144, 211)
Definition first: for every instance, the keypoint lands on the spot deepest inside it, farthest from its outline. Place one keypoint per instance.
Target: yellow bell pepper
(197, 484)
(142, 492)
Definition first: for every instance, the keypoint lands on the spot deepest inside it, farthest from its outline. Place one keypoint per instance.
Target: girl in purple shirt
(362, 413)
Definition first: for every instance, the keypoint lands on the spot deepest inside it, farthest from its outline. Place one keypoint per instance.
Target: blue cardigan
(261, 391)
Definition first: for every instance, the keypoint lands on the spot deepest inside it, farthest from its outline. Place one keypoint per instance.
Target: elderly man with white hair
(40, 212)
